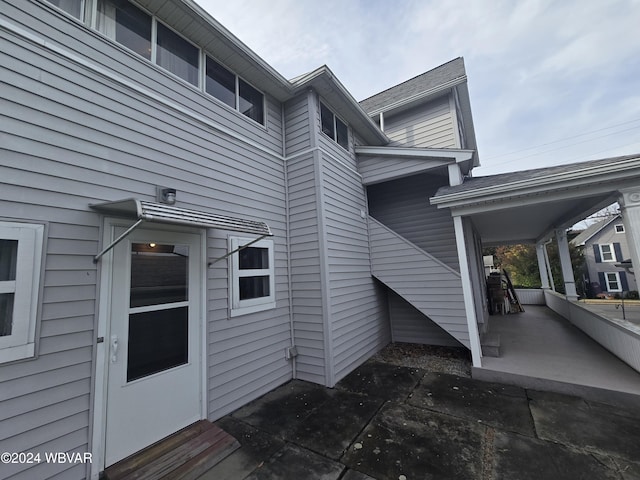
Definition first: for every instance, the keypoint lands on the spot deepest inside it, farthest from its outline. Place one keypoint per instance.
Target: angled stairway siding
(403, 206)
(422, 280)
(409, 325)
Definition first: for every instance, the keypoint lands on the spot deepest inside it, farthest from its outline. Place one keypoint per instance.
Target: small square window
(251, 276)
(126, 24)
(619, 228)
(20, 261)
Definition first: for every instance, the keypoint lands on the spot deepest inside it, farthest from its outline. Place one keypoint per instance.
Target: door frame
(102, 330)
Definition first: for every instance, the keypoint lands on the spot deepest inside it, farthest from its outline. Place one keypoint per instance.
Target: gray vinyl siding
(403, 206)
(428, 125)
(409, 325)
(307, 288)
(419, 278)
(380, 169)
(359, 322)
(71, 137)
(297, 131)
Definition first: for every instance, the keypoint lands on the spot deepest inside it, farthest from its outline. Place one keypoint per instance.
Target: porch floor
(541, 349)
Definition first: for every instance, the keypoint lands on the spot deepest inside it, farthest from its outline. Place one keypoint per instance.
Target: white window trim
(243, 307)
(335, 127)
(611, 250)
(619, 225)
(606, 278)
(21, 343)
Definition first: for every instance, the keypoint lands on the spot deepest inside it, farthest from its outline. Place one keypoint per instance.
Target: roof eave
(329, 87)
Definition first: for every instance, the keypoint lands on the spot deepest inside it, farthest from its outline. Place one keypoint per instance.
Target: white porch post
(630, 208)
(467, 292)
(565, 263)
(542, 265)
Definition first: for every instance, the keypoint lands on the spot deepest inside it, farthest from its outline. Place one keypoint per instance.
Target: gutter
(580, 174)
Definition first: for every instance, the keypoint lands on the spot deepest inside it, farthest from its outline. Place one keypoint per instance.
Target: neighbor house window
(613, 282)
(20, 261)
(333, 127)
(252, 276)
(619, 228)
(607, 253)
(72, 7)
(233, 91)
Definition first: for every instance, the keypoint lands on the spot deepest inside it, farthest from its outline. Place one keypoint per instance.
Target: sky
(551, 82)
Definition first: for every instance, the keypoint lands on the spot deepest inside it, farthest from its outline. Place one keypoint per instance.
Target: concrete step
(490, 343)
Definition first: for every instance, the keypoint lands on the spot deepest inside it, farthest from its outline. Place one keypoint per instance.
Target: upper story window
(333, 127)
(619, 228)
(233, 91)
(133, 28)
(20, 260)
(607, 253)
(72, 7)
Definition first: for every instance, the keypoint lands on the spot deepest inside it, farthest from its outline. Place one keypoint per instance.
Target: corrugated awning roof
(144, 211)
(162, 213)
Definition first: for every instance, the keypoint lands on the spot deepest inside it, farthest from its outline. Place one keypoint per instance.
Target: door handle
(114, 348)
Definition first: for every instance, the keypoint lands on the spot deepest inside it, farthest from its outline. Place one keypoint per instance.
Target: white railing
(530, 296)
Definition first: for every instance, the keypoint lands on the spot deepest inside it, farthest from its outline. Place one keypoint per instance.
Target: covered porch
(537, 207)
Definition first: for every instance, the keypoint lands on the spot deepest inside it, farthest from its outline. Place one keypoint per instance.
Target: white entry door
(154, 364)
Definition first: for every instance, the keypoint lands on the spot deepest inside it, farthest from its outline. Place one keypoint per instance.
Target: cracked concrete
(392, 422)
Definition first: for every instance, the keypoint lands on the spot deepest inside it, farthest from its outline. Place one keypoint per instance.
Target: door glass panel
(6, 314)
(158, 341)
(8, 259)
(158, 274)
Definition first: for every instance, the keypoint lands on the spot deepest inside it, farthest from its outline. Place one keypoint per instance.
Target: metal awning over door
(154, 212)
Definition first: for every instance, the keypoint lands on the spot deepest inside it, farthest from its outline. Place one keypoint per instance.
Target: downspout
(285, 168)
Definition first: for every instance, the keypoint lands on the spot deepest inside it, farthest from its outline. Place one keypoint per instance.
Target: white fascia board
(432, 92)
(457, 155)
(539, 185)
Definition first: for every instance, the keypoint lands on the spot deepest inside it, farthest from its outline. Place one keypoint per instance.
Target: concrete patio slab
(588, 425)
(387, 423)
(293, 462)
(332, 426)
(417, 443)
(382, 380)
(256, 448)
(524, 458)
(501, 406)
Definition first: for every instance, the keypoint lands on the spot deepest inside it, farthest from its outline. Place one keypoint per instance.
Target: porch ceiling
(527, 206)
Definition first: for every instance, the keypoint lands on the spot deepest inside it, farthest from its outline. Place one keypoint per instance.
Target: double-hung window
(333, 127)
(233, 91)
(252, 279)
(607, 253)
(20, 261)
(613, 282)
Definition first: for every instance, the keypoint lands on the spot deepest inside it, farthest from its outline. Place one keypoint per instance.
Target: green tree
(521, 262)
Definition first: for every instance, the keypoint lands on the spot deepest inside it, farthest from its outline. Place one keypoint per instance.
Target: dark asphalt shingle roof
(426, 81)
(591, 230)
(474, 183)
